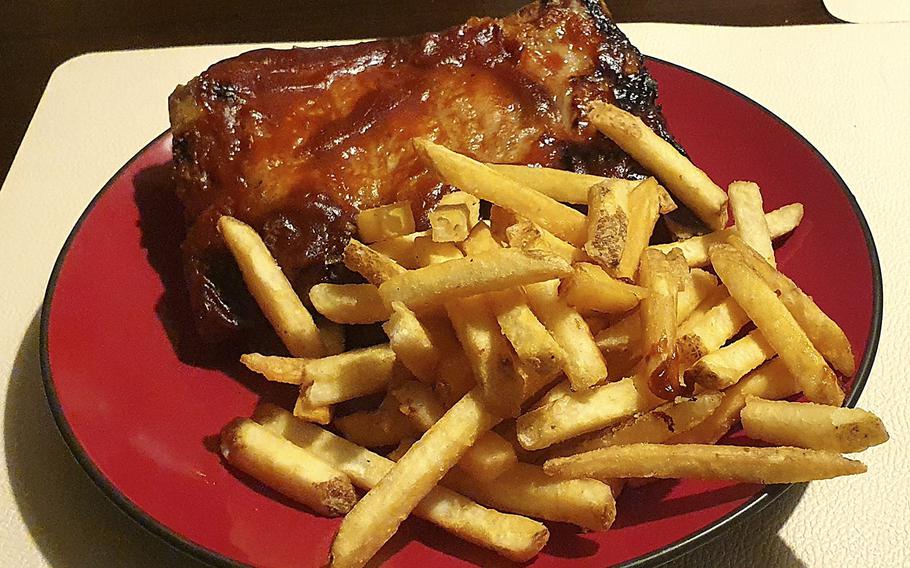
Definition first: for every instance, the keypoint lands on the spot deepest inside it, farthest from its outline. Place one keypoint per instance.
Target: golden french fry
(385, 222)
(418, 403)
(449, 223)
(824, 333)
(571, 187)
(695, 249)
(308, 412)
(701, 461)
(427, 251)
(642, 216)
(350, 375)
(707, 332)
(412, 342)
(749, 214)
(464, 198)
(584, 365)
(691, 185)
(724, 367)
(529, 236)
(485, 183)
(813, 426)
(657, 425)
(369, 263)
(376, 517)
(662, 276)
(515, 537)
(401, 249)
(288, 370)
(578, 413)
(771, 381)
(527, 490)
(385, 426)
(625, 335)
(495, 270)
(488, 458)
(774, 320)
(349, 303)
(590, 288)
(488, 352)
(607, 227)
(454, 377)
(288, 469)
(271, 289)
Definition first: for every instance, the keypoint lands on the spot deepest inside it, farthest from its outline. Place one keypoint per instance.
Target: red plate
(140, 419)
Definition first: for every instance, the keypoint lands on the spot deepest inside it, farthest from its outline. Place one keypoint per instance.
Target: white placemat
(843, 87)
(869, 11)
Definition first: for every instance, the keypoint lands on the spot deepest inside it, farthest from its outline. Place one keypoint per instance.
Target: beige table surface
(844, 87)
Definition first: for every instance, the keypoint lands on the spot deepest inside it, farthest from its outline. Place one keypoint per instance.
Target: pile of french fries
(538, 360)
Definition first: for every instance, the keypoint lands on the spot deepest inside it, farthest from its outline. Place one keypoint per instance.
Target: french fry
(515, 537)
(662, 276)
(449, 223)
(418, 403)
(691, 185)
(385, 426)
(427, 251)
(642, 216)
(695, 249)
(308, 412)
(657, 425)
(724, 367)
(288, 469)
(584, 365)
(454, 377)
(527, 490)
(607, 228)
(625, 335)
(412, 342)
(529, 236)
(385, 222)
(700, 461)
(590, 288)
(824, 333)
(485, 183)
(488, 352)
(376, 517)
(349, 303)
(813, 426)
(578, 413)
(464, 198)
(571, 187)
(495, 270)
(401, 249)
(271, 289)
(707, 332)
(771, 381)
(350, 375)
(369, 263)
(488, 458)
(749, 213)
(533, 344)
(782, 331)
(479, 240)
(288, 370)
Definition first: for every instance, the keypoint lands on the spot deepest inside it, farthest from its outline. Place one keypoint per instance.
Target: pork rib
(295, 141)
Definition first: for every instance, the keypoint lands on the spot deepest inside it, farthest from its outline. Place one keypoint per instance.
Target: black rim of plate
(655, 558)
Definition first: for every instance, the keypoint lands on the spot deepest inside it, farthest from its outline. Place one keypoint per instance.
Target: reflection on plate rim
(654, 558)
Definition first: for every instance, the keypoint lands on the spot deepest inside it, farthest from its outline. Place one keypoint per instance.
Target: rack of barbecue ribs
(295, 142)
